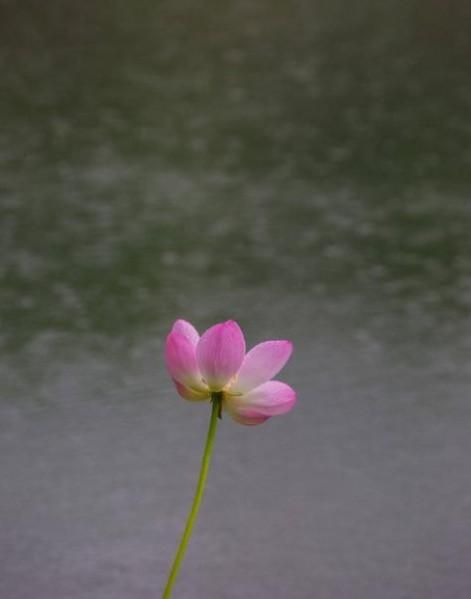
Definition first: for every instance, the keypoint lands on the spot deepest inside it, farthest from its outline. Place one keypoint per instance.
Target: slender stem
(208, 449)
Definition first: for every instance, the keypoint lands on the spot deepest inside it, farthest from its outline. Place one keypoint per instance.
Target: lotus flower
(216, 362)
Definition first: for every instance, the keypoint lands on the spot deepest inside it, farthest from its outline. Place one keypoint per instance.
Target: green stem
(208, 449)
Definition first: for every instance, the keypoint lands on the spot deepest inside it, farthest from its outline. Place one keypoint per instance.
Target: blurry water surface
(303, 168)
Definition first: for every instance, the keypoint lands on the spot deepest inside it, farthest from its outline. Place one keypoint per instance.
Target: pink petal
(181, 362)
(249, 421)
(190, 394)
(270, 399)
(187, 330)
(220, 352)
(261, 364)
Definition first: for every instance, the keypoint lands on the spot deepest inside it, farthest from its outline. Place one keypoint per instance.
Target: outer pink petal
(190, 394)
(270, 399)
(261, 364)
(181, 361)
(249, 421)
(220, 352)
(187, 330)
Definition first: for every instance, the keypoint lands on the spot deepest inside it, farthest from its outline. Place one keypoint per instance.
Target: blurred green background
(302, 167)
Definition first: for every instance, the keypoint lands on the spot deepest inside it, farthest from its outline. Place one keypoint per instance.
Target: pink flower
(216, 362)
